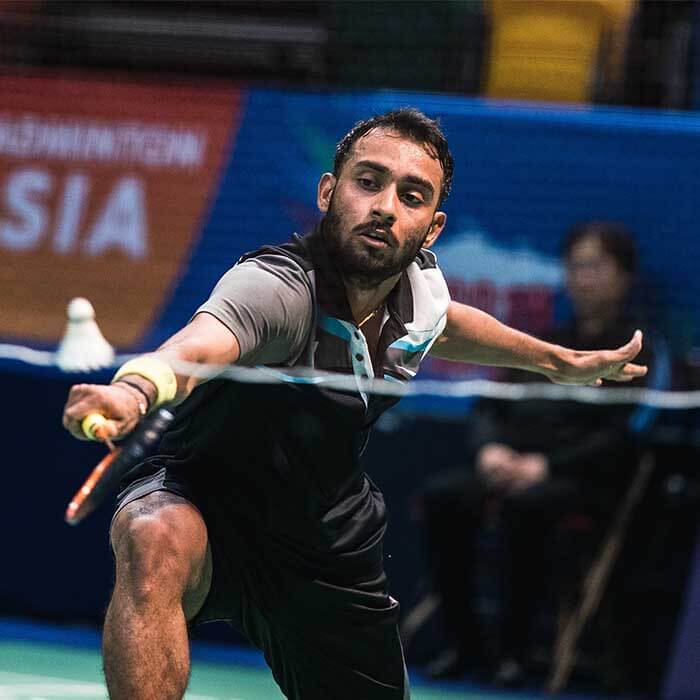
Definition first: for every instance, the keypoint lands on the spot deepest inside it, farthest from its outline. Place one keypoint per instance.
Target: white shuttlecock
(83, 347)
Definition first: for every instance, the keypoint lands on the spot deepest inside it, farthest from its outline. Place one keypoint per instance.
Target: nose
(384, 206)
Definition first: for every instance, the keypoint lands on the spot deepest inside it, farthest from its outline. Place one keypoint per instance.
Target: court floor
(33, 671)
(39, 662)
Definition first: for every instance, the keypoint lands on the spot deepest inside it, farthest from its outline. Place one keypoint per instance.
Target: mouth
(377, 237)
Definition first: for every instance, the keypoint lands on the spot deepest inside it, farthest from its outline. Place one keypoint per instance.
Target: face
(382, 208)
(596, 283)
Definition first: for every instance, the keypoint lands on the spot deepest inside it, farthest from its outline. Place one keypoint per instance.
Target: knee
(152, 560)
(452, 493)
(435, 498)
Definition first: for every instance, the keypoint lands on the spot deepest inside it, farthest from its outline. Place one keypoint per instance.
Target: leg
(163, 573)
(324, 639)
(453, 510)
(351, 662)
(528, 519)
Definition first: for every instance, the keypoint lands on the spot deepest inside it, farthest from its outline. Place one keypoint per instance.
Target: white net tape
(621, 394)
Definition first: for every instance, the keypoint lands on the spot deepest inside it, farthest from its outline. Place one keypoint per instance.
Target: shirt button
(359, 357)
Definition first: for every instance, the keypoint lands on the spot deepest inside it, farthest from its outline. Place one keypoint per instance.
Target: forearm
(203, 341)
(474, 336)
(174, 356)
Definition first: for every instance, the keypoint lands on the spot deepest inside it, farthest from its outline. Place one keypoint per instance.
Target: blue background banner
(523, 177)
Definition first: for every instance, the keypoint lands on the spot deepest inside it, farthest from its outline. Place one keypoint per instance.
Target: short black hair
(615, 239)
(412, 124)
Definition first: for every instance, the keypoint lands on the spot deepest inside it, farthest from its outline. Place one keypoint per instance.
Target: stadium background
(145, 146)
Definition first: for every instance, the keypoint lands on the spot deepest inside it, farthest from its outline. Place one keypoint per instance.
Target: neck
(595, 325)
(364, 300)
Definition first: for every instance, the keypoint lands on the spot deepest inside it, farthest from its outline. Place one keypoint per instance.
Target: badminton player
(256, 509)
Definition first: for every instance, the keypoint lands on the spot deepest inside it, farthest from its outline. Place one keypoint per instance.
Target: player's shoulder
(426, 259)
(429, 291)
(292, 254)
(283, 266)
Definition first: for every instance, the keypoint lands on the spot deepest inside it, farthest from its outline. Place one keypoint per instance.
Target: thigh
(545, 502)
(455, 494)
(331, 640)
(347, 664)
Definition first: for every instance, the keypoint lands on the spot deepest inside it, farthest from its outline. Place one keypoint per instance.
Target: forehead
(400, 154)
(587, 247)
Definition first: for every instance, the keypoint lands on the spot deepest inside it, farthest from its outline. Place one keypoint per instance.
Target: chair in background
(596, 580)
(556, 50)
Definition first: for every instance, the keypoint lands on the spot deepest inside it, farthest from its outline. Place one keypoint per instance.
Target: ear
(325, 191)
(439, 221)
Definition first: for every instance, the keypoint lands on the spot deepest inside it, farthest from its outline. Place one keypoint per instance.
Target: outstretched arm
(474, 336)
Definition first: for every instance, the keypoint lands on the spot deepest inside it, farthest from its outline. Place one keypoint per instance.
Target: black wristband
(133, 385)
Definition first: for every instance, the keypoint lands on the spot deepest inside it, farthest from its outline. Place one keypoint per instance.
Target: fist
(116, 402)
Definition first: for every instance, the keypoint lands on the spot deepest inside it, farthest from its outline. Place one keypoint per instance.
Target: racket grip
(105, 477)
(91, 424)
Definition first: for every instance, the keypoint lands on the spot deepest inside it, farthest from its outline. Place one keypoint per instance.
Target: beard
(360, 264)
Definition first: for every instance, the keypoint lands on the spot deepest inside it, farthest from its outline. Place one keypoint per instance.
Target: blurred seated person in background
(537, 461)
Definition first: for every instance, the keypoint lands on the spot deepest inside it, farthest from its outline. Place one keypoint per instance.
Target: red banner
(104, 187)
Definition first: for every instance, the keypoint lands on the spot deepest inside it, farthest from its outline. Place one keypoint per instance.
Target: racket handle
(105, 477)
(91, 424)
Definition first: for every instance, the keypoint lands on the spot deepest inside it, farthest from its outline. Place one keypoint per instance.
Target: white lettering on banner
(27, 223)
(99, 141)
(132, 143)
(69, 214)
(121, 224)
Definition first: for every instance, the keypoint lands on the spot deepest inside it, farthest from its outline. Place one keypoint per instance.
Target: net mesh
(145, 146)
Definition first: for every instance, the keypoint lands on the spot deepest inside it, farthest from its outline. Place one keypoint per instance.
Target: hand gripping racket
(105, 477)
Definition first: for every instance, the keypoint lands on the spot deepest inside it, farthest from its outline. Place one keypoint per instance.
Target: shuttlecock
(83, 347)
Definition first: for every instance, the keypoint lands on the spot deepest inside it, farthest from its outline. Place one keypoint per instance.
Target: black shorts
(323, 641)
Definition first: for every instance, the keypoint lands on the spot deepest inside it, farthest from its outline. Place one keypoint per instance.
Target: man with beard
(256, 509)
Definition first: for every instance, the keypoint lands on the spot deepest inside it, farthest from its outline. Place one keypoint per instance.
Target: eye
(412, 200)
(367, 183)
